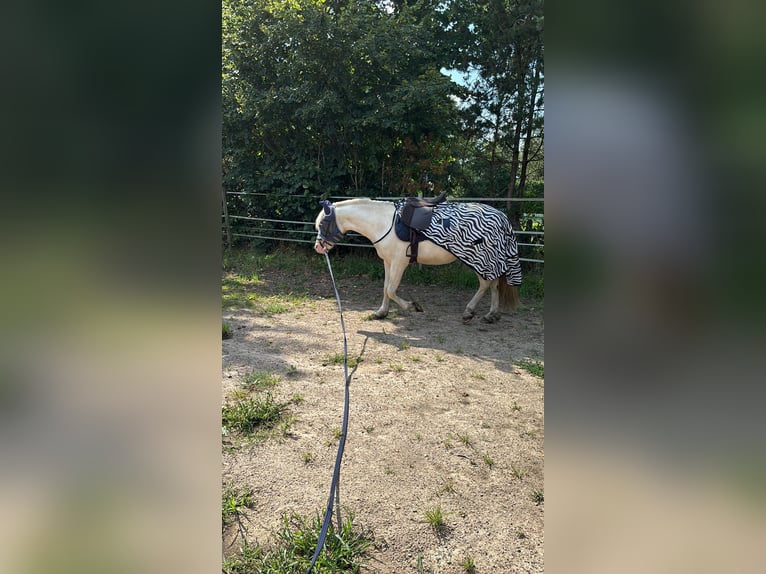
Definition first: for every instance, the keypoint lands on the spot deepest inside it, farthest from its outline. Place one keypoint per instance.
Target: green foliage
(225, 331)
(245, 414)
(468, 565)
(233, 500)
(325, 98)
(435, 517)
(344, 550)
(532, 286)
(260, 380)
(535, 368)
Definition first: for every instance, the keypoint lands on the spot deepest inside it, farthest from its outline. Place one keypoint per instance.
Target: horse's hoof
(417, 307)
(490, 318)
(467, 318)
(378, 315)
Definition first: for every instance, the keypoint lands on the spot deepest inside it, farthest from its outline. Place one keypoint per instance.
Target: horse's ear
(327, 206)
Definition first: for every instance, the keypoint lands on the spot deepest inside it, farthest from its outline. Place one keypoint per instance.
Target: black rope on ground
(335, 484)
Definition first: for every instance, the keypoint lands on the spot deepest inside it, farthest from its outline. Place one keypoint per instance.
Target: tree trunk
(528, 134)
(514, 207)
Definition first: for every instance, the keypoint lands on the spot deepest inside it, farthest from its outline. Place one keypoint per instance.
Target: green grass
(468, 565)
(225, 331)
(435, 517)
(538, 496)
(532, 286)
(246, 415)
(464, 438)
(535, 368)
(260, 380)
(233, 500)
(518, 473)
(337, 359)
(295, 541)
(447, 488)
(489, 461)
(243, 293)
(250, 263)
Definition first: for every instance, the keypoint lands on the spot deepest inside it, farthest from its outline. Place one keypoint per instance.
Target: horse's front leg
(394, 271)
(383, 310)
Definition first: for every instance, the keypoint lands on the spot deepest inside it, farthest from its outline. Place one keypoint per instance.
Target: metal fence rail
(307, 227)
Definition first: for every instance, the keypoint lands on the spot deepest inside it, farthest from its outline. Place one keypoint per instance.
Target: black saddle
(417, 213)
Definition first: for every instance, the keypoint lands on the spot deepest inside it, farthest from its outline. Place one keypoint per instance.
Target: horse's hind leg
(470, 309)
(494, 310)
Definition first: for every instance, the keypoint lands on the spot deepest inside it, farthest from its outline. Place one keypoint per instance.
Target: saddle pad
(479, 235)
(403, 232)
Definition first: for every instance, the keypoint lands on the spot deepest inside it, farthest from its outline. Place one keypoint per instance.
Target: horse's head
(328, 233)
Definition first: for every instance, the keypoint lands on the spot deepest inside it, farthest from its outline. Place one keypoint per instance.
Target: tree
(498, 46)
(329, 97)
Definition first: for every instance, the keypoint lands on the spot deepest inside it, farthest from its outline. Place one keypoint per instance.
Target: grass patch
(225, 331)
(468, 565)
(260, 380)
(233, 500)
(455, 274)
(250, 263)
(246, 415)
(446, 488)
(517, 472)
(240, 293)
(337, 359)
(344, 550)
(489, 461)
(435, 517)
(535, 368)
(538, 497)
(464, 438)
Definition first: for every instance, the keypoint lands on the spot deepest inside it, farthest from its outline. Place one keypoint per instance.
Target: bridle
(329, 234)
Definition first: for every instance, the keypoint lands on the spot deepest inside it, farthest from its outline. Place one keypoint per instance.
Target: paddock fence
(531, 237)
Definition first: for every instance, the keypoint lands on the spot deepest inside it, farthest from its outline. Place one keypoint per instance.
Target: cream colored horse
(374, 220)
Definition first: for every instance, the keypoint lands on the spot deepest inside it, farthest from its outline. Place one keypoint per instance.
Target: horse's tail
(509, 296)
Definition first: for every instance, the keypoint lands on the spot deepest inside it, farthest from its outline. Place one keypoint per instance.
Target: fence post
(226, 218)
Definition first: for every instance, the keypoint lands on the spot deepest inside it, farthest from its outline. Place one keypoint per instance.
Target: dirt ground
(439, 414)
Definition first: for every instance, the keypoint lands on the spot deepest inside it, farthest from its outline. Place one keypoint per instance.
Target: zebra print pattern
(479, 235)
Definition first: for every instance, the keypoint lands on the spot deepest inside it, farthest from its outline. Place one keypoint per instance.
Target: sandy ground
(440, 414)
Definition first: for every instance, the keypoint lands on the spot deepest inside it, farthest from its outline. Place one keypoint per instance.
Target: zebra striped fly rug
(478, 235)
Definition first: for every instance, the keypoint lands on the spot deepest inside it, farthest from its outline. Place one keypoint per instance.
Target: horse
(375, 220)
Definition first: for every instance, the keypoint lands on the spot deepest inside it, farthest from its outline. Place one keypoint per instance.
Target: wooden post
(226, 218)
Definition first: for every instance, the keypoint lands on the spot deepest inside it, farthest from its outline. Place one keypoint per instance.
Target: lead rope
(335, 484)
